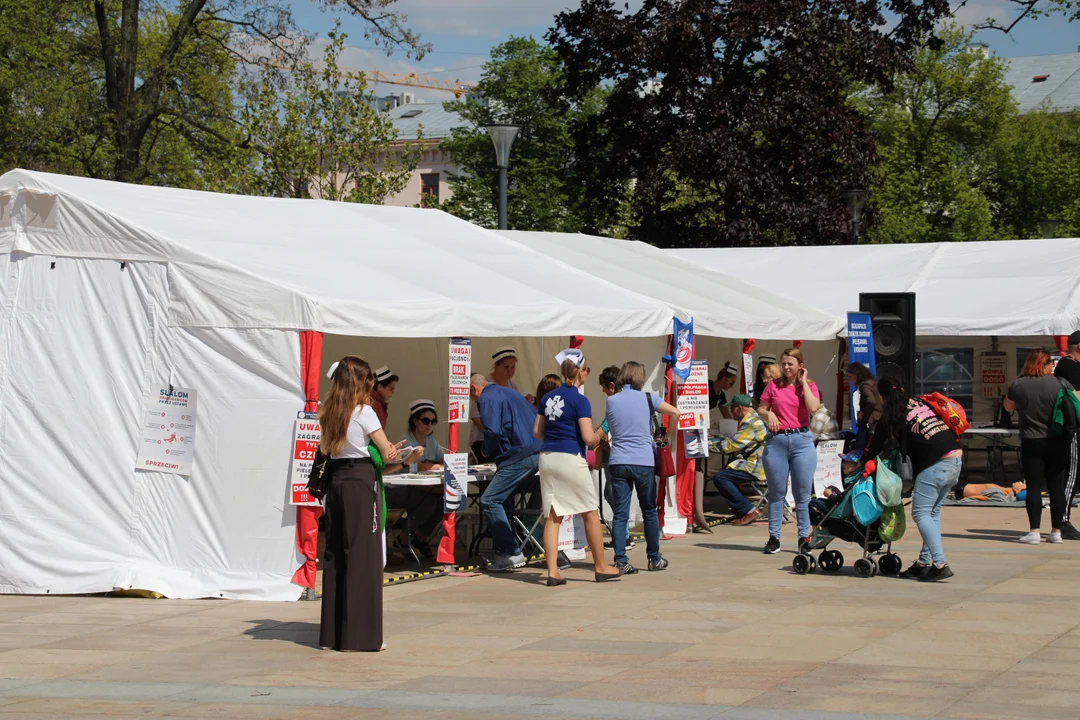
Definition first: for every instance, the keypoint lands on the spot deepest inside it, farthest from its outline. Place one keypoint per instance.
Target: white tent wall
(80, 346)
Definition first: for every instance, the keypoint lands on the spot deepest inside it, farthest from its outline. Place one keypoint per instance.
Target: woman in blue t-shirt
(564, 424)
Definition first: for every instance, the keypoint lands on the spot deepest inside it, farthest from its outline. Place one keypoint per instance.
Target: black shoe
(915, 570)
(773, 546)
(657, 565)
(563, 562)
(1068, 532)
(626, 568)
(804, 545)
(935, 573)
(555, 582)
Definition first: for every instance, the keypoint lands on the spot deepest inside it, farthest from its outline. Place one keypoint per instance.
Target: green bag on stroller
(887, 484)
(893, 523)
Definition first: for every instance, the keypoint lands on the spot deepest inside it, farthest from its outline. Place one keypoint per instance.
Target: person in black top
(1068, 369)
(725, 380)
(934, 450)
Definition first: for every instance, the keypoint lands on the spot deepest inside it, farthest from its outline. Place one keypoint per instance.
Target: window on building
(429, 190)
(949, 371)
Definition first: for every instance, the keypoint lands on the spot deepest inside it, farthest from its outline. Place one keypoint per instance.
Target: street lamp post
(856, 200)
(503, 136)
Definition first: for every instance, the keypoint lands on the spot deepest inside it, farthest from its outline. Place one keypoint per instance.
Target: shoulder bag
(665, 463)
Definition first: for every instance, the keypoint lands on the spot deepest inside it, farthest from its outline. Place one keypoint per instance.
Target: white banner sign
(693, 397)
(993, 370)
(748, 373)
(572, 533)
(306, 436)
(168, 435)
(460, 371)
(455, 482)
(828, 466)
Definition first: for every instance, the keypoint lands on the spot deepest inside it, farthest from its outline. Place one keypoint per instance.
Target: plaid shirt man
(748, 441)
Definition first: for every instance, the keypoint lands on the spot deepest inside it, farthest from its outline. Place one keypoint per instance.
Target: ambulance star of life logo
(553, 408)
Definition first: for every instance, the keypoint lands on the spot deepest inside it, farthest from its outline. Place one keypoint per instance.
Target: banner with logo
(306, 436)
(455, 482)
(860, 349)
(460, 372)
(682, 356)
(693, 397)
(168, 431)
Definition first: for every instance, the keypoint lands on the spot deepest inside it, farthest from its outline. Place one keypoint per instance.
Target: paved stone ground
(726, 633)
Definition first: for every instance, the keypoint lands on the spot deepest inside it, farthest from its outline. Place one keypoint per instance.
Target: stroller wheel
(865, 568)
(838, 559)
(801, 564)
(890, 564)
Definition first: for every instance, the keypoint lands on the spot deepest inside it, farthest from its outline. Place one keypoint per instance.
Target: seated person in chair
(747, 444)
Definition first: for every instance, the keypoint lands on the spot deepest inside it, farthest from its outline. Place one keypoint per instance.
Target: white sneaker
(1032, 538)
(1055, 537)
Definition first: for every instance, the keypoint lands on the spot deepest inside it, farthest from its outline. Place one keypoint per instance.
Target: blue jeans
(794, 454)
(727, 482)
(932, 486)
(497, 501)
(623, 480)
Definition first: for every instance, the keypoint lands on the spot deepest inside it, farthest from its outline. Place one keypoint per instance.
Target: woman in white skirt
(564, 424)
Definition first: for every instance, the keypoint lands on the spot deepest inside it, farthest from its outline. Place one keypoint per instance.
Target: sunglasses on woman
(429, 421)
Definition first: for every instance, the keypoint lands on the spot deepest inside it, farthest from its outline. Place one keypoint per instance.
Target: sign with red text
(693, 397)
(992, 373)
(168, 431)
(306, 436)
(460, 371)
(748, 373)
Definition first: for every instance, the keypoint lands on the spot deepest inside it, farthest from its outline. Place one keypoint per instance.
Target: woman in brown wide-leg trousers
(352, 607)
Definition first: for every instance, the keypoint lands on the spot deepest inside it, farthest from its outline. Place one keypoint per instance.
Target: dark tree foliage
(733, 115)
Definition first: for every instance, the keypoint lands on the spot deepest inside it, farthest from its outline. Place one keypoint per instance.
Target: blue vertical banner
(682, 356)
(860, 348)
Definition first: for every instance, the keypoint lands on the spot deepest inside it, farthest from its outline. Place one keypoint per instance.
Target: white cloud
(978, 11)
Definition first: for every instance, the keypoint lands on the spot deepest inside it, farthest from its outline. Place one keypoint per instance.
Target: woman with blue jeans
(934, 449)
(632, 462)
(786, 406)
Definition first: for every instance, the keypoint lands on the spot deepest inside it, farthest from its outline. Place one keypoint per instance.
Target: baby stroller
(839, 522)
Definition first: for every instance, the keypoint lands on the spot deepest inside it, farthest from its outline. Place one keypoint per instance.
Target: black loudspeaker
(892, 316)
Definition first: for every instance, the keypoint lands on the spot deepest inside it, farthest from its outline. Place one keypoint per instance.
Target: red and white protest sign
(460, 371)
(306, 436)
(693, 397)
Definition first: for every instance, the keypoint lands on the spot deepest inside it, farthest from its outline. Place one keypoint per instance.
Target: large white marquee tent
(107, 290)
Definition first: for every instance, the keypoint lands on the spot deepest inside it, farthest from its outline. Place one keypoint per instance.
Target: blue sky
(464, 31)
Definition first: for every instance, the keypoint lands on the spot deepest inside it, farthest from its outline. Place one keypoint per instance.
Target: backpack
(949, 411)
(1065, 420)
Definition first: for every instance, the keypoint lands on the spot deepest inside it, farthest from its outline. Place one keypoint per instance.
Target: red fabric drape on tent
(1062, 342)
(841, 383)
(445, 553)
(307, 516)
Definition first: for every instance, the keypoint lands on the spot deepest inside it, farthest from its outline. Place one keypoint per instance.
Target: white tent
(722, 305)
(107, 290)
(1014, 287)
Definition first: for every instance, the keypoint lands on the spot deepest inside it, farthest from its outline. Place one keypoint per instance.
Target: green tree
(937, 127)
(316, 133)
(141, 91)
(547, 179)
(1037, 175)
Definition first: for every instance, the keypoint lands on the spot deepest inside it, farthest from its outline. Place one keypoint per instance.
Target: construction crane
(410, 80)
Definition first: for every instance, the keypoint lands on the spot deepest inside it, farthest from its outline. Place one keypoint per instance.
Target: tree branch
(108, 55)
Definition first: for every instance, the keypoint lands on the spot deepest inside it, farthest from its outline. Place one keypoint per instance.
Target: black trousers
(1044, 463)
(1072, 461)
(352, 600)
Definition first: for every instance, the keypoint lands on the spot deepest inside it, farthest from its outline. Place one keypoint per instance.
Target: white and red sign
(460, 371)
(306, 436)
(993, 369)
(693, 397)
(168, 435)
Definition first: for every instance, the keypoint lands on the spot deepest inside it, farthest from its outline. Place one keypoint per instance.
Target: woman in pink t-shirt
(786, 406)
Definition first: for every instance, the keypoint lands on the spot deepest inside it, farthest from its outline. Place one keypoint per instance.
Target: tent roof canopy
(365, 270)
(722, 305)
(1004, 287)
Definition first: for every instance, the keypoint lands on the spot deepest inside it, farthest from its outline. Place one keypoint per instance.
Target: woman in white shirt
(353, 560)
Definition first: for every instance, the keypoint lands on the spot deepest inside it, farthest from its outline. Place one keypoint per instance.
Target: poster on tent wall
(860, 349)
(460, 370)
(748, 373)
(693, 397)
(168, 435)
(306, 436)
(992, 369)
